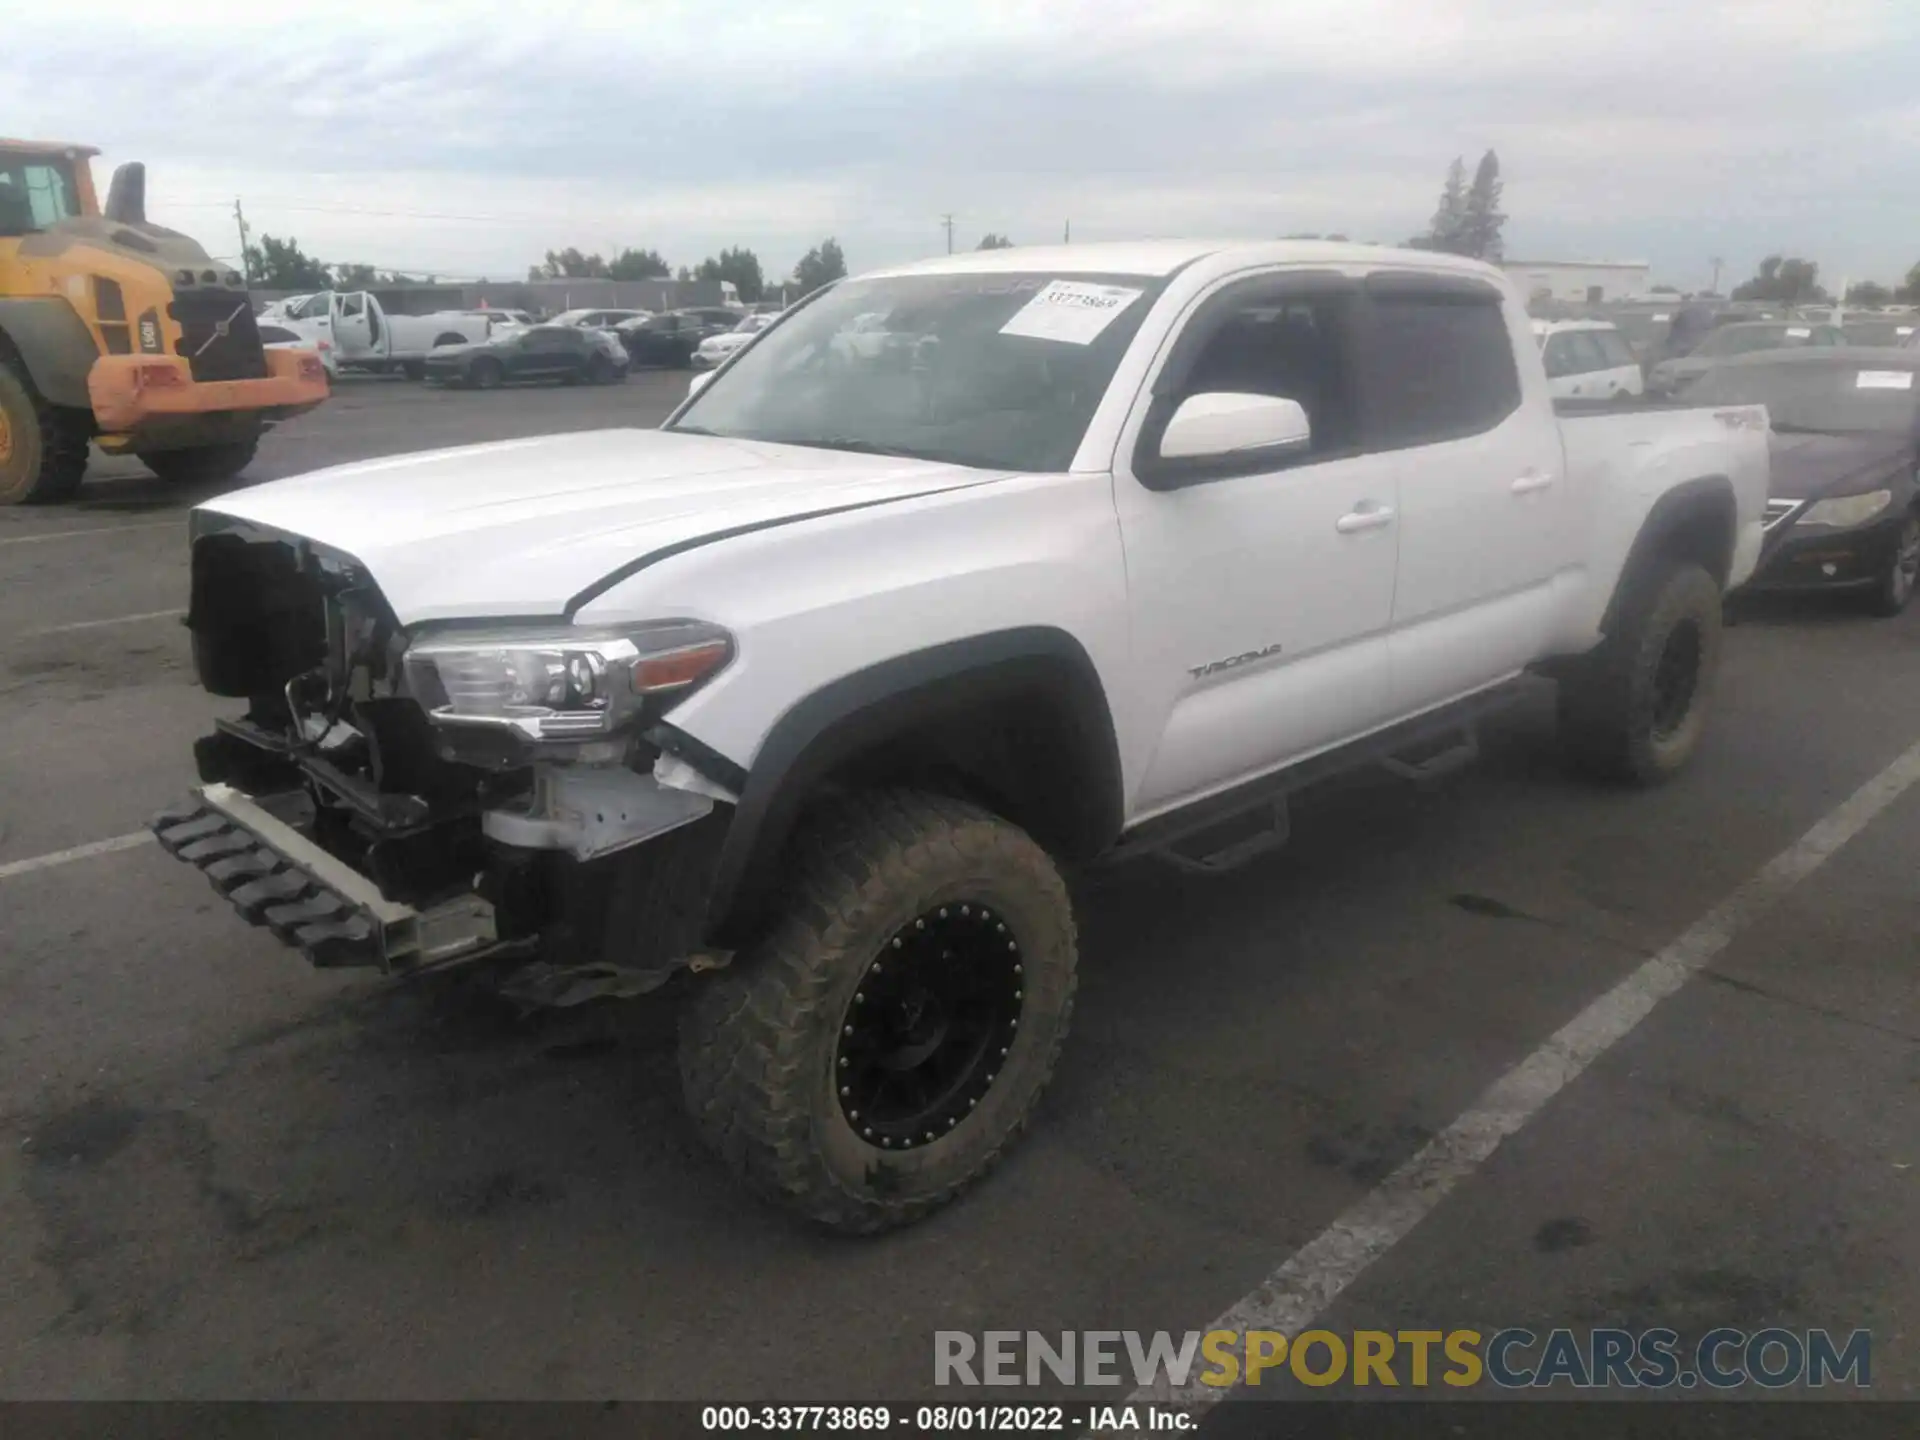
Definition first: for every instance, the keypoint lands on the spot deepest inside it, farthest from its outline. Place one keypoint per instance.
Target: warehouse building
(1586, 282)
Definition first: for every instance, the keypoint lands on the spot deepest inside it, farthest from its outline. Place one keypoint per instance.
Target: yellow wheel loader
(121, 333)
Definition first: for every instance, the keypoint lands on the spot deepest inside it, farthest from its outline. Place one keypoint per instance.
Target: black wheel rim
(1676, 679)
(929, 1027)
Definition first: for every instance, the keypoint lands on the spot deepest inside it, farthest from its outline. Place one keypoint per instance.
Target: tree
(1785, 281)
(1450, 216)
(355, 277)
(1909, 291)
(991, 241)
(638, 265)
(1480, 227)
(1868, 292)
(280, 265)
(569, 264)
(741, 266)
(821, 265)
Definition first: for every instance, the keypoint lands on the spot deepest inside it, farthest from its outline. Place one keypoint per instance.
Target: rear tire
(200, 464)
(43, 448)
(957, 928)
(1895, 588)
(1635, 708)
(486, 375)
(414, 369)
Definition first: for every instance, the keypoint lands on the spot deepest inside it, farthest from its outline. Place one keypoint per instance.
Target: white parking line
(176, 524)
(1289, 1298)
(78, 852)
(116, 620)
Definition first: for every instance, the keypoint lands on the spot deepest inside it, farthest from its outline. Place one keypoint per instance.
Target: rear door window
(1435, 368)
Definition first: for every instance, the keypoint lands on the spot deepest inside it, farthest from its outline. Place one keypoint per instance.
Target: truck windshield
(997, 370)
(35, 192)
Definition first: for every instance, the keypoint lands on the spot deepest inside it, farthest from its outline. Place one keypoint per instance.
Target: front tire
(599, 370)
(883, 1045)
(43, 448)
(200, 464)
(1634, 710)
(1895, 587)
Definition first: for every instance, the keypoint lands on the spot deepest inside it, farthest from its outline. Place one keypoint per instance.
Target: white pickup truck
(797, 707)
(366, 336)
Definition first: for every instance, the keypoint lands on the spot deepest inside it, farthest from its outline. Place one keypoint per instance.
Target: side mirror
(1224, 424)
(699, 382)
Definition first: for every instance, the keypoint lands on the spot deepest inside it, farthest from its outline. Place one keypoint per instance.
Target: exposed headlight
(562, 682)
(1844, 510)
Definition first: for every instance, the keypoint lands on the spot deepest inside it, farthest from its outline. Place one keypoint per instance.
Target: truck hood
(523, 527)
(1810, 467)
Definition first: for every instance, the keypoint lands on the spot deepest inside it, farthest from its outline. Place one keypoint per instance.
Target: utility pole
(1717, 262)
(1067, 237)
(246, 261)
(947, 220)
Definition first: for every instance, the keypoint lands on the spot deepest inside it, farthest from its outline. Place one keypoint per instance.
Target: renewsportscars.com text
(1513, 1358)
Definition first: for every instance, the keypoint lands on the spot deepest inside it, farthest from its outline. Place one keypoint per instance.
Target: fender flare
(54, 347)
(860, 711)
(1706, 497)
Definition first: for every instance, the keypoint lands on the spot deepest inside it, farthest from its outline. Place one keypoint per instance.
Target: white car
(1587, 359)
(862, 337)
(499, 321)
(797, 707)
(279, 337)
(716, 350)
(598, 319)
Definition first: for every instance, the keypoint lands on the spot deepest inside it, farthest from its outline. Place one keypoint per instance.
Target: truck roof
(46, 147)
(1163, 257)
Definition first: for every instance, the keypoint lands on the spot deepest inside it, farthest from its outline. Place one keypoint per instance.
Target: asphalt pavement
(225, 1175)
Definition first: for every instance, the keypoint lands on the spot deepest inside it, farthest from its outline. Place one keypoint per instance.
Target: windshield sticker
(1883, 380)
(1799, 332)
(1663, 317)
(1903, 329)
(1070, 312)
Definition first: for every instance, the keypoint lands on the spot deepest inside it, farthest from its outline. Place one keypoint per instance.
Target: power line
(351, 210)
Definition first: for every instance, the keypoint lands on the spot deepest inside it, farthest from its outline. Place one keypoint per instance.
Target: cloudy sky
(468, 138)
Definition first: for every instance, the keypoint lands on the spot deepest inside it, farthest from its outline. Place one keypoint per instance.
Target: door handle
(1364, 516)
(1527, 484)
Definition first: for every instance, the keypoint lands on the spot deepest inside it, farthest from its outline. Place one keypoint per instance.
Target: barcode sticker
(1884, 380)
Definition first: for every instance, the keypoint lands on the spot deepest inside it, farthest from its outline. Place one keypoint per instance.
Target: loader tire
(43, 447)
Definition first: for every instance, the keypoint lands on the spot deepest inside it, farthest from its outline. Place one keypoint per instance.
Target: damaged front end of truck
(413, 798)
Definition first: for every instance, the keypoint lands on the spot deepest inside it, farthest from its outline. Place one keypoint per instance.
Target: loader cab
(42, 184)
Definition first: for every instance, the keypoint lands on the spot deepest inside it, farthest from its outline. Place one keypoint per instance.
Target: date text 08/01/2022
(945, 1419)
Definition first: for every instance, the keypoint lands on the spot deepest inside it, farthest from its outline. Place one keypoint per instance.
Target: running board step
(1460, 753)
(1230, 843)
